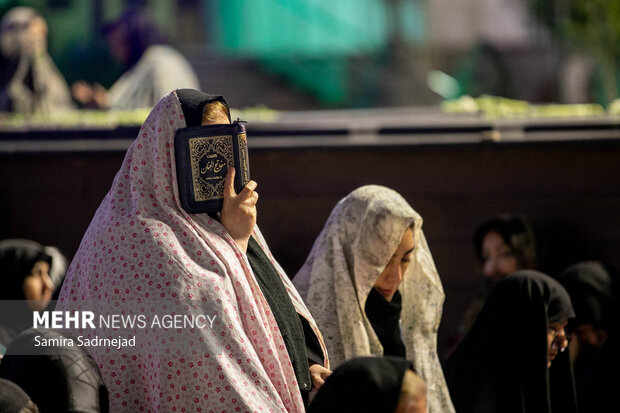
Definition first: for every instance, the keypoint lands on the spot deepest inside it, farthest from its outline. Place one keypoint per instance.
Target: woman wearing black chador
(513, 360)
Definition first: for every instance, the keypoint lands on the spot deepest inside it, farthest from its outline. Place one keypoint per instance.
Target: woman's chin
(38, 305)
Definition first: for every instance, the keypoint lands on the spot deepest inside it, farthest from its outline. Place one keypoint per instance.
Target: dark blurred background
(306, 54)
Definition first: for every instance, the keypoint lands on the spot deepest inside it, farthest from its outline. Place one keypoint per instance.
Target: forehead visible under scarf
(193, 103)
(377, 214)
(371, 220)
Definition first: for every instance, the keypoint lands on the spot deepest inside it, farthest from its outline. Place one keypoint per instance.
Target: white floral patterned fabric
(141, 245)
(359, 238)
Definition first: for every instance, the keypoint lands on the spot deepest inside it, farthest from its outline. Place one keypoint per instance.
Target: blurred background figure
(152, 68)
(503, 245)
(373, 385)
(362, 53)
(593, 290)
(25, 272)
(29, 79)
(504, 364)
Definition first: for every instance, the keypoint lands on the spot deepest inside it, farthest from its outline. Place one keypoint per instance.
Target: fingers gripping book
(203, 156)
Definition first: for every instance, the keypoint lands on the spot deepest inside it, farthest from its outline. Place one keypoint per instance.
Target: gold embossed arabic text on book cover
(203, 155)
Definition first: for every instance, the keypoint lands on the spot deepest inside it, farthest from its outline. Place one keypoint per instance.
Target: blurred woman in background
(29, 80)
(503, 245)
(152, 67)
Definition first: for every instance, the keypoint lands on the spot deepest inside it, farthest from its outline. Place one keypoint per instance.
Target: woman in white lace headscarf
(371, 285)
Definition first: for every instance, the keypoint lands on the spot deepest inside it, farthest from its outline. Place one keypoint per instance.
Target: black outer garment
(593, 290)
(301, 343)
(501, 364)
(283, 310)
(362, 385)
(384, 316)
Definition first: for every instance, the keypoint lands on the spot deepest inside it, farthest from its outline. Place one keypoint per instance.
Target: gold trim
(209, 184)
(243, 157)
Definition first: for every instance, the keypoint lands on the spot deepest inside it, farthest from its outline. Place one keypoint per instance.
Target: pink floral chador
(142, 247)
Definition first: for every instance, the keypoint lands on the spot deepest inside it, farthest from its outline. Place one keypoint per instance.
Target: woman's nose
(47, 282)
(395, 274)
(489, 269)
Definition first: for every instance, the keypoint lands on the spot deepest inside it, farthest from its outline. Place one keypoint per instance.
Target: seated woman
(371, 284)
(372, 385)
(25, 269)
(29, 80)
(152, 67)
(503, 245)
(503, 363)
(143, 246)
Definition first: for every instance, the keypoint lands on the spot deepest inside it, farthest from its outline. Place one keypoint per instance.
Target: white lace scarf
(358, 240)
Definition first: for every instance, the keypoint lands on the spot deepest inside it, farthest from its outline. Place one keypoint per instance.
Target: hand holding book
(238, 214)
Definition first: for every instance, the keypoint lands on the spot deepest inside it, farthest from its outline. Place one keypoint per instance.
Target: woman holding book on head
(146, 245)
(371, 285)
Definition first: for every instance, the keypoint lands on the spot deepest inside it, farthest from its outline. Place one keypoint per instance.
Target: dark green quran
(203, 156)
